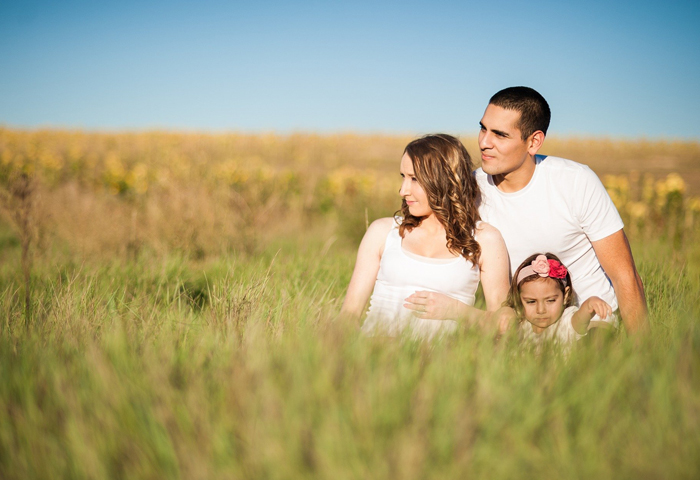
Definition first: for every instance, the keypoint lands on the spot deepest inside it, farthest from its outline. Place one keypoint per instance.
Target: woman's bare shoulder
(494, 264)
(378, 230)
(386, 223)
(380, 227)
(486, 233)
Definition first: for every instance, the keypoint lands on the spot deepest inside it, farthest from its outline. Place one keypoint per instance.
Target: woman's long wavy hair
(443, 168)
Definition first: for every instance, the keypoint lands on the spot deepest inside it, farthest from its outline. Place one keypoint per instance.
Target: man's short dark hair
(533, 108)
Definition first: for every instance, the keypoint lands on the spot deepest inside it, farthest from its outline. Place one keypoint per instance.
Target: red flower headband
(544, 267)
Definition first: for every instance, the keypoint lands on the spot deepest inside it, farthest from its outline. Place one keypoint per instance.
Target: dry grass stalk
(18, 199)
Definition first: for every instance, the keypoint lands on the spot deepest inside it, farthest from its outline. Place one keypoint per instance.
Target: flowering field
(212, 193)
(167, 305)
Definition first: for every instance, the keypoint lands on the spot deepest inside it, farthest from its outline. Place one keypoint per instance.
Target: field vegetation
(168, 303)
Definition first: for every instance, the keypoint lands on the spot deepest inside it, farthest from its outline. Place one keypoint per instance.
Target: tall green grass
(174, 317)
(233, 367)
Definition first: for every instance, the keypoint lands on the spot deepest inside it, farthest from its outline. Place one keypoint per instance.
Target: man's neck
(518, 179)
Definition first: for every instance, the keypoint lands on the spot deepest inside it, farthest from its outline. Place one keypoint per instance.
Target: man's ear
(534, 143)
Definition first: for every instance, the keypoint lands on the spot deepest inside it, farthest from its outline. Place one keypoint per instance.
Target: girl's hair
(443, 168)
(513, 301)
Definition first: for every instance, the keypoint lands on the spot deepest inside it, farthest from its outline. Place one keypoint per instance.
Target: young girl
(422, 267)
(541, 293)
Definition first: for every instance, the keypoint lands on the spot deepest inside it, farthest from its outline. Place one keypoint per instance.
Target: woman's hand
(433, 305)
(504, 318)
(438, 306)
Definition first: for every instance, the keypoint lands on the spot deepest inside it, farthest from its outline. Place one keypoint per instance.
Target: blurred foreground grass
(182, 327)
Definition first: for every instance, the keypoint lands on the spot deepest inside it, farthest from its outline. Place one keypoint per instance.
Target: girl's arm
(588, 310)
(366, 268)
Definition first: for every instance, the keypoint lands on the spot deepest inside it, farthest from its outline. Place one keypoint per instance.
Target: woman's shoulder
(486, 233)
(383, 224)
(378, 230)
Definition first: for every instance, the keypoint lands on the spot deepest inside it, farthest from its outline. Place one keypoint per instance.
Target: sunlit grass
(184, 327)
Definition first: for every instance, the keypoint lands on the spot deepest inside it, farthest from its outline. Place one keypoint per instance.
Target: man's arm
(615, 256)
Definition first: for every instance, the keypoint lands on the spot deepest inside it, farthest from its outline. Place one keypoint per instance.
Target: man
(548, 204)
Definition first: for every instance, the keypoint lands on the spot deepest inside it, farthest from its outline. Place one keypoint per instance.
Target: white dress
(402, 273)
(562, 332)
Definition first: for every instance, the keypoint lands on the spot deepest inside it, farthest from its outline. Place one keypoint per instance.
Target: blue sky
(617, 69)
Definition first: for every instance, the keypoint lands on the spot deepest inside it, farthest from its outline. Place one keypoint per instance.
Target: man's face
(503, 150)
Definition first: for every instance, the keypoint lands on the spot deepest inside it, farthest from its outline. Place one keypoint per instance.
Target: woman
(422, 268)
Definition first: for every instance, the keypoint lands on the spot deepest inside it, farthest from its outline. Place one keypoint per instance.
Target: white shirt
(562, 210)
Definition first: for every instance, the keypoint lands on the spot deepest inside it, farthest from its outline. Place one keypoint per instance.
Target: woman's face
(412, 191)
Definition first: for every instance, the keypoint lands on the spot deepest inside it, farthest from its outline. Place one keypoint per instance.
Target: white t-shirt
(562, 210)
(561, 332)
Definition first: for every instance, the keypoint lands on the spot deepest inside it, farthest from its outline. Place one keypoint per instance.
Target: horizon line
(329, 133)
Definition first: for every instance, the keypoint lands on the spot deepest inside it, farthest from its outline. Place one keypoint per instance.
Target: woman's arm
(495, 278)
(592, 306)
(366, 268)
(494, 265)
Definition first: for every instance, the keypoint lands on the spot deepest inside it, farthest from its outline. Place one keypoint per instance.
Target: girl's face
(543, 302)
(411, 191)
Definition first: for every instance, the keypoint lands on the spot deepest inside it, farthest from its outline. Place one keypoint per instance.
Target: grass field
(179, 323)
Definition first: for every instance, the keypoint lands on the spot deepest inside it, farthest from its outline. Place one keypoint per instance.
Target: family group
(540, 233)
